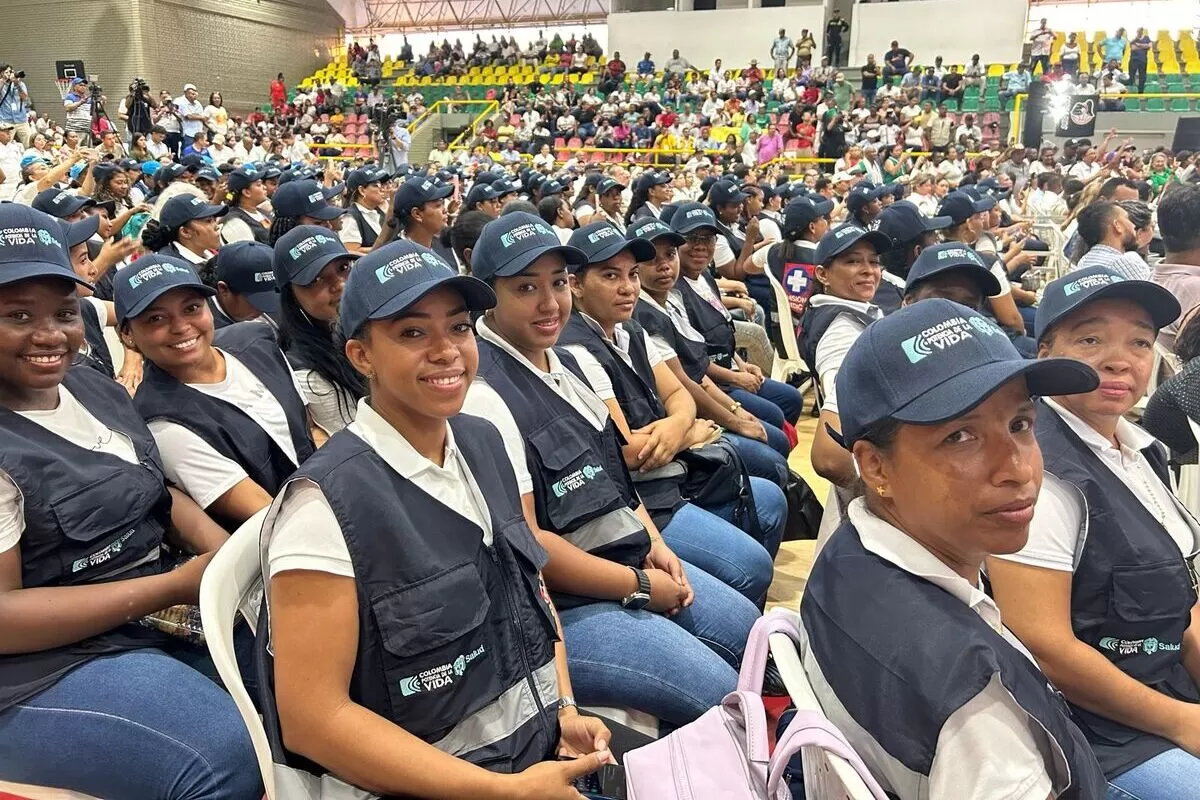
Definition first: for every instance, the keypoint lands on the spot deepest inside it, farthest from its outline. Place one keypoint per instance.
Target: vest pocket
(105, 526)
(576, 483)
(428, 614)
(530, 559)
(1149, 610)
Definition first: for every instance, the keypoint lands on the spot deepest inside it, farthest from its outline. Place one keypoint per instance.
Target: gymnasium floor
(794, 561)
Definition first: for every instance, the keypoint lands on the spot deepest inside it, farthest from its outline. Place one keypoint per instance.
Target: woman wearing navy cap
(652, 192)
(224, 408)
(968, 219)
(245, 193)
(1115, 622)
(906, 652)
(90, 699)
(186, 228)
(617, 581)
(952, 271)
(303, 202)
(311, 266)
(242, 274)
(366, 208)
(841, 307)
(413, 640)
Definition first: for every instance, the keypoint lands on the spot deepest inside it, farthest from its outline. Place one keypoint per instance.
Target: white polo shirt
(836, 341)
(990, 748)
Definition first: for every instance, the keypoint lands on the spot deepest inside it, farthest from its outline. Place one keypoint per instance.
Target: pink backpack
(725, 754)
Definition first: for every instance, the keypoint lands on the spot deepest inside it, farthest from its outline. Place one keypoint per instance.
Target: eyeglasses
(700, 239)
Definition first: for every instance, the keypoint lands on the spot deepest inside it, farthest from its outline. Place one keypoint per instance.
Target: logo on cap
(315, 196)
(649, 227)
(849, 230)
(959, 252)
(945, 335)
(151, 272)
(1090, 282)
(196, 201)
(521, 232)
(310, 243)
(697, 212)
(17, 237)
(264, 277)
(60, 197)
(401, 265)
(603, 233)
(426, 185)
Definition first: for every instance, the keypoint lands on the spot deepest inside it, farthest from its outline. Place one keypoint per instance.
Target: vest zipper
(516, 620)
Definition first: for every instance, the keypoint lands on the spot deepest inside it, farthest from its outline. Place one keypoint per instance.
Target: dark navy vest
(578, 472)
(94, 352)
(633, 386)
(816, 321)
(229, 430)
(260, 232)
(1132, 592)
(449, 629)
(220, 318)
(368, 234)
(90, 517)
(693, 355)
(902, 655)
(711, 323)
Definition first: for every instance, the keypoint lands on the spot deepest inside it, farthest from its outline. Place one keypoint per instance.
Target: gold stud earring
(881, 491)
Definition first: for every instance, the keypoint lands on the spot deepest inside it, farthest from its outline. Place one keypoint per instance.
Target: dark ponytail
(156, 236)
(280, 226)
(320, 348)
(639, 199)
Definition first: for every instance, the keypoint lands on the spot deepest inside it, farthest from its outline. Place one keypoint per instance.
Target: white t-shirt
(1059, 515)
(350, 234)
(988, 749)
(723, 254)
(235, 229)
(70, 421)
(306, 535)
(594, 372)
(705, 290)
(836, 341)
(193, 464)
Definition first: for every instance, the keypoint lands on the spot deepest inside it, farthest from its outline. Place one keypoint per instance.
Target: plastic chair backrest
(1189, 478)
(232, 577)
(827, 776)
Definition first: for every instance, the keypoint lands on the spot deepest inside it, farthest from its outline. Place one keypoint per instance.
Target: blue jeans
(1173, 775)
(770, 412)
(723, 551)
(137, 724)
(762, 459)
(771, 506)
(675, 668)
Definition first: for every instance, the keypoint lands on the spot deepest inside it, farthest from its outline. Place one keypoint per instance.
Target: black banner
(1080, 119)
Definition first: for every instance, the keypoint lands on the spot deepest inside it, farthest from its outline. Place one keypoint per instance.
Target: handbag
(726, 753)
(804, 510)
(717, 476)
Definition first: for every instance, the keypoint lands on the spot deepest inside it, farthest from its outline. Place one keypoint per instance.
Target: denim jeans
(762, 459)
(1173, 775)
(720, 549)
(771, 507)
(775, 402)
(675, 668)
(137, 724)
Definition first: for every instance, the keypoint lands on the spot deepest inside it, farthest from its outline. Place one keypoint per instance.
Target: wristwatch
(641, 596)
(566, 701)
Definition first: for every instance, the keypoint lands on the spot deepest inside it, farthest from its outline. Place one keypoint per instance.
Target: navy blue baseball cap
(208, 174)
(1064, 295)
(387, 281)
(690, 217)
(242, 177)
(666, 212)
(606, 185)
(169, 172)
(503, 186)
(248, 269)
(58, 203)
(137, 286)
(903, 222)
(934, 361)
(80, 231)
(725, 192)
(418, 191)
(960, 206)
(983, 200)
(271, 173)
(600, 241)
(183, 208)
(952, 256)
(862, 194)
(365, 176)
(800, 212)
(652, 230)
(32, 245)
(479, 193)
(653, 178)
(304, 199)
(551, 187)
(840, 239)
(510, 243)
(305, 250)
(992, 187)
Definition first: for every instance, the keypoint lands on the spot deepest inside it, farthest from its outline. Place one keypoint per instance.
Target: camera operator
(136, 109)
(14, 103)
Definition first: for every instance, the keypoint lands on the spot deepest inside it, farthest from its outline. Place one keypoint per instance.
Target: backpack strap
(812, 729)
(758, 647)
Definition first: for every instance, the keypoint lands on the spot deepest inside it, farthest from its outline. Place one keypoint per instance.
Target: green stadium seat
(1133, 104)
(1156, 104)
(971, 91)
(1181, 105)
(971, 103)
(992, 104)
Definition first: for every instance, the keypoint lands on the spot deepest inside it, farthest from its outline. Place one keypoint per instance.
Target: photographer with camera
(136, 108)
(14, 103)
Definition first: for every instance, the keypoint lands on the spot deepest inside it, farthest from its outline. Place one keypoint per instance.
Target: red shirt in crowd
(667, 118)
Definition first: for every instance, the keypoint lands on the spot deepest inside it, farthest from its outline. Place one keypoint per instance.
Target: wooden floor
(794, 561)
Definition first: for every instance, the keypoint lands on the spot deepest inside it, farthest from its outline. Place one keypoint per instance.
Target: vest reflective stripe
(504, 716)
(1132, 592)
(716, 329)
(900, 684)
(607, 530)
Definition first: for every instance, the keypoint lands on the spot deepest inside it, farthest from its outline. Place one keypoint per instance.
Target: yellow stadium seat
(995, 70)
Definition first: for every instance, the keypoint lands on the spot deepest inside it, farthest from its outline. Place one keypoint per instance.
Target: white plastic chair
(826, 776)
(233, 577)
(793, 363)
(640, 721)
(1188, 490)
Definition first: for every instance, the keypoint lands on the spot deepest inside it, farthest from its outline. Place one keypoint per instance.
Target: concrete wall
(953, 29)
(734, 35)
(232, 46)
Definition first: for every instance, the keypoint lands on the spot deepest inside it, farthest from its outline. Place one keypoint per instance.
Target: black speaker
(704, 5)
(1035, 104)
(772, 3)
(1187, 135)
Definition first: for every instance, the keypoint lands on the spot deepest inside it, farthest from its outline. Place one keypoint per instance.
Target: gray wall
(232, 46)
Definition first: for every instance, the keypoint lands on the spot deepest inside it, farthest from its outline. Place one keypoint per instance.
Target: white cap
(191, 86)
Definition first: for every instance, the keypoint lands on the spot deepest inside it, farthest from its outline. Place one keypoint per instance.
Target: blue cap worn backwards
(510, 243)
(936, 360)
(139, 285)
(388, 281)
(1075, 289)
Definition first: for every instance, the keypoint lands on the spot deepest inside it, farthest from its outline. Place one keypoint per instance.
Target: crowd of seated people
(515, 427)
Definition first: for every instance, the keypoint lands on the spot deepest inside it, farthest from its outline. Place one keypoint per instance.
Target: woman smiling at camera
(905, 650)
(91, 700)
(224, 409)
(414, 642)
(1104, 593)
